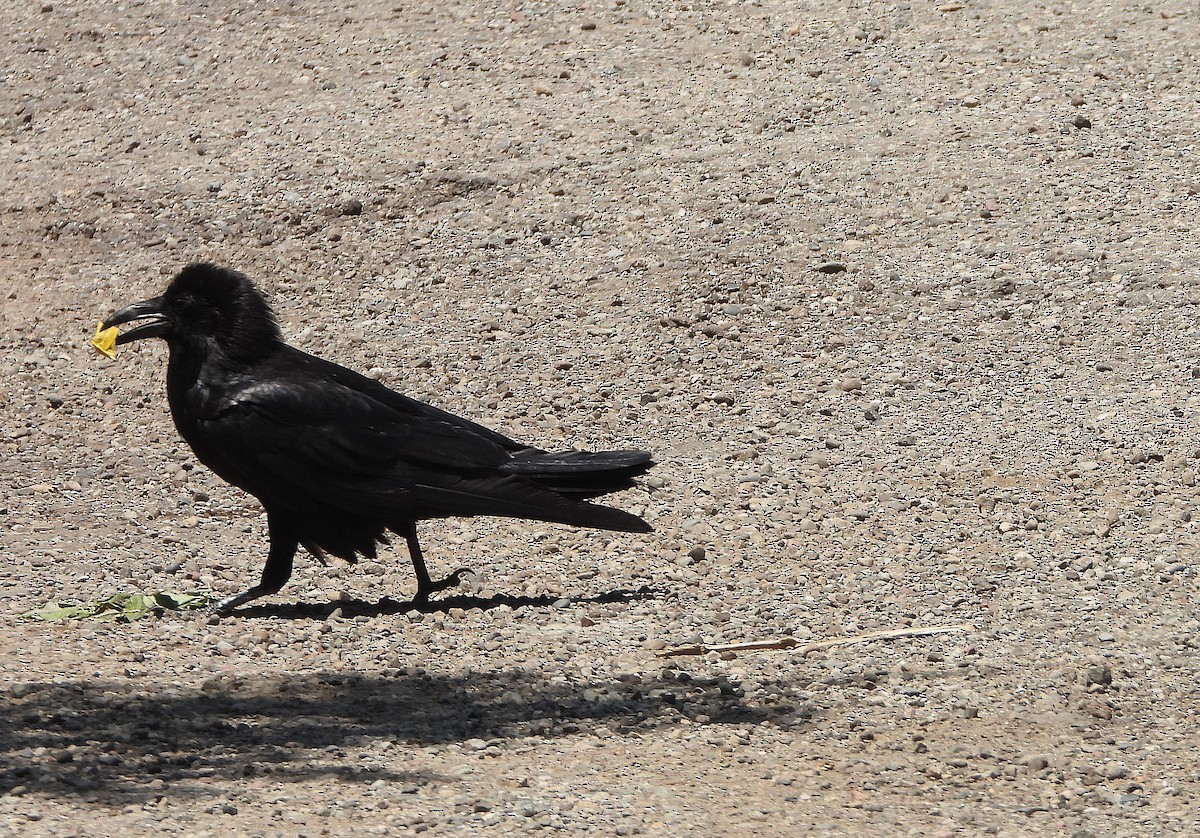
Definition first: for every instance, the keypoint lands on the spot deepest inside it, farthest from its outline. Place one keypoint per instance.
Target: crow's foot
(452, 581)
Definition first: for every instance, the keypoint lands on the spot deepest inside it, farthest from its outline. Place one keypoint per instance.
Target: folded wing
(316, 440)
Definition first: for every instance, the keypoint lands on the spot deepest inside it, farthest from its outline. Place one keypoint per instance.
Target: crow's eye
(192, 309)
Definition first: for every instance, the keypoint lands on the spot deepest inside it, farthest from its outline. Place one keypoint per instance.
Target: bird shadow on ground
(124, 741)
(391, 607)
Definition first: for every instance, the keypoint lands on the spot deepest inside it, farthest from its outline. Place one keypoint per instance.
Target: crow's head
(205, 308)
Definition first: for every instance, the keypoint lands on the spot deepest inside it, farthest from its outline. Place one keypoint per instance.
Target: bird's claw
(223, 607)
(452, 581)
(455, 579)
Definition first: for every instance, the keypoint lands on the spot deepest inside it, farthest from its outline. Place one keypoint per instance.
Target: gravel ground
(901, 295)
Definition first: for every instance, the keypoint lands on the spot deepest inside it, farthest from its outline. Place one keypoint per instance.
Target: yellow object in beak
(105, 340)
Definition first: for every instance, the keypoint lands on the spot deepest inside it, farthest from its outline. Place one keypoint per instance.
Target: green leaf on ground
(121, 608)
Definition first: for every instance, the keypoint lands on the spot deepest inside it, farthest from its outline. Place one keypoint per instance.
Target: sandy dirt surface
(902, 295)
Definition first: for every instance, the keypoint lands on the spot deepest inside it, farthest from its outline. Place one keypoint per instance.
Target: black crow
(336, 458)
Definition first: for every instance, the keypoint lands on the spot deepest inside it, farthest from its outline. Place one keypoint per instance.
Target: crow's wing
(291, 362)
(311, 444)
(300, 441)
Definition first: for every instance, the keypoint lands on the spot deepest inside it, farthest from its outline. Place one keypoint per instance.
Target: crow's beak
(156, 324)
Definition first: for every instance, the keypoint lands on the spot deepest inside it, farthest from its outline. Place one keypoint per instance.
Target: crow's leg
(276, 572)
(425, 585)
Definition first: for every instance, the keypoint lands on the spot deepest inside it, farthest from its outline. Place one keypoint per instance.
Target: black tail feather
(543, 463)
(519, 497)
(583, 474)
